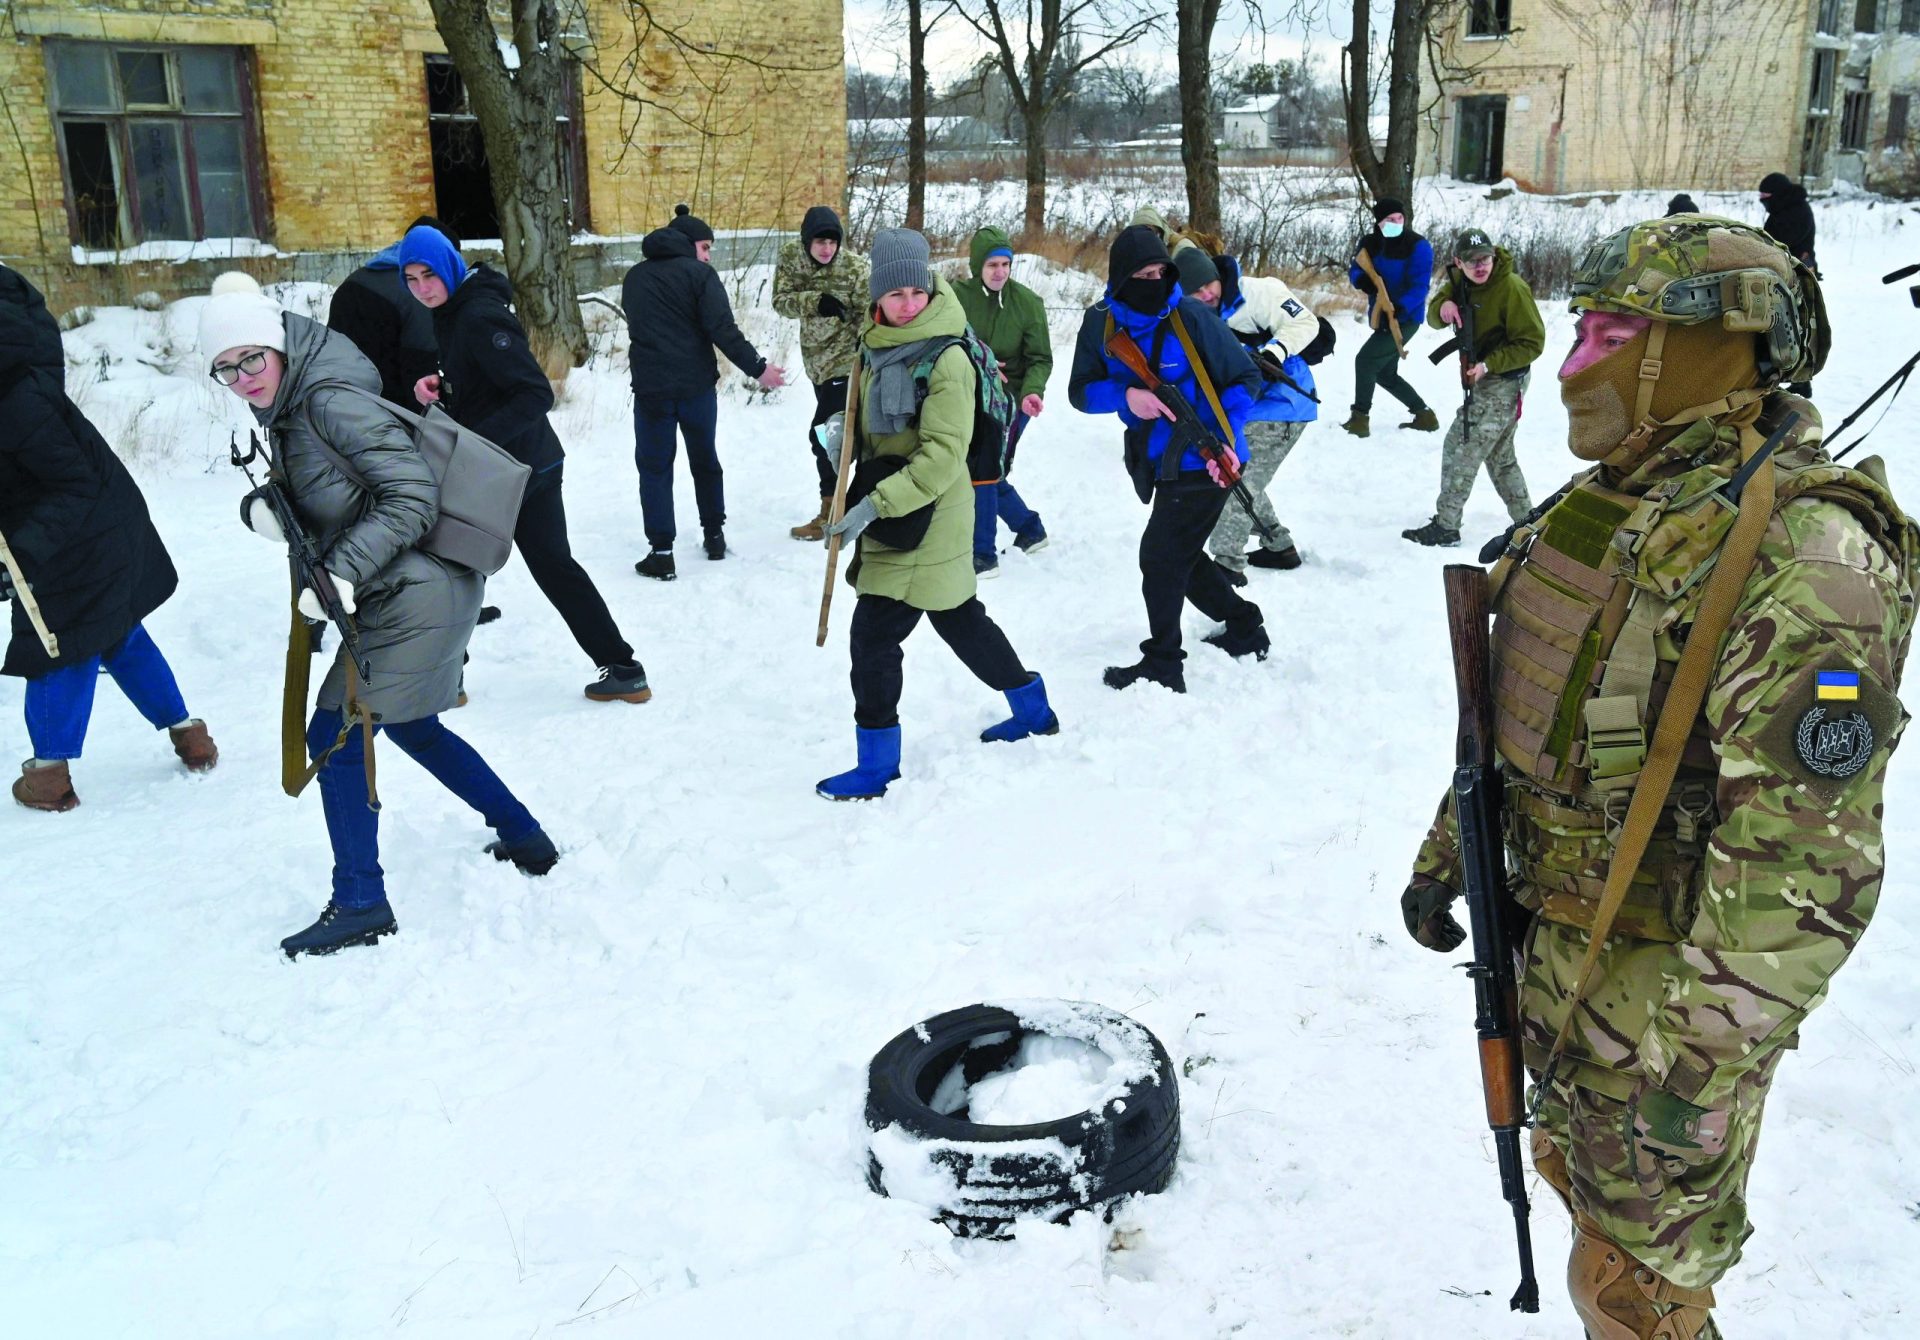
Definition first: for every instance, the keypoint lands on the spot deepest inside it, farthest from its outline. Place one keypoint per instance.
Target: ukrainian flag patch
(1842, 686)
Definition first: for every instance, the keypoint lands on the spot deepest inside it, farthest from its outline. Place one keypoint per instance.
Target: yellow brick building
(135, 132)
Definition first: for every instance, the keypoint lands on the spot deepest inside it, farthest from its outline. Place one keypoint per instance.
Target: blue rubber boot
(1031, 715)
(879, 754)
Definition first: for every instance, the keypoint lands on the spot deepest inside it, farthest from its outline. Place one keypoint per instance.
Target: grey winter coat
(414, 611)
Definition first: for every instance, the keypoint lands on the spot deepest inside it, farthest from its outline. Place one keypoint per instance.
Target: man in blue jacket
(1192, 349)
(1404, 261)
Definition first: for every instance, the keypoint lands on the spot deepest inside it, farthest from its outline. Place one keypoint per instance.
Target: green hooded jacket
(938, 573)
(1012, 322)
(1506, 320)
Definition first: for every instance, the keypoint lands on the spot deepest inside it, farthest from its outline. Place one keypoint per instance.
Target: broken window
(1866, 16)
(1829, 19)
(1896, 137)
(1856, 108)
(462, 181)
(1489, 18)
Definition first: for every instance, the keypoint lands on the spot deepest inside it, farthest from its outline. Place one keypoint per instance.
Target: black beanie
(1682, 204)
(820, 221)
(1134, 247)
(690, 225)
(1196, 268)
(1386, 205)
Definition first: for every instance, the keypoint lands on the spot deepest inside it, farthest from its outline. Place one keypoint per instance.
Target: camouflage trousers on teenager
(1488, 441)
(1268, 443)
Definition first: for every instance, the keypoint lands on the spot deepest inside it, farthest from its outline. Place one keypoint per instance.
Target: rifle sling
(1200, 376)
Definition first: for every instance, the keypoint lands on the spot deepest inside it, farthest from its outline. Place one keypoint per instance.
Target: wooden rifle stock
(838, 510)
(1123, 347)
(23, 593)
(1384, 302)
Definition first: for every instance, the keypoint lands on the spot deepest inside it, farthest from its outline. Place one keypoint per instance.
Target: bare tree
(1389, 173)
(1198, 152)
(1041, 61)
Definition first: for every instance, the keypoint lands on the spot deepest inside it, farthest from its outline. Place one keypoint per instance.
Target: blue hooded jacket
(1278, 402)
(1407, 278)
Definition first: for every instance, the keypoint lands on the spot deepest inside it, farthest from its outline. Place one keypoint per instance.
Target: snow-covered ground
(625, 1099)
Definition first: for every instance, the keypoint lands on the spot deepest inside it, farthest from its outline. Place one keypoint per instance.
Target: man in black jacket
(677, 311)
(1789, 216)
(373, 308)
(490, 382)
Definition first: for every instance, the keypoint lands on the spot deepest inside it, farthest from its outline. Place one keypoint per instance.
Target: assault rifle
(1491, 911)
(302, 558)
(1383, 302)
(1275, 371)
(1466, 344)
(1189, 430)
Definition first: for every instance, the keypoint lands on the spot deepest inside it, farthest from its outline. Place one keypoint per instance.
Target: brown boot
(1356, 424)
(1423, 421)
(1618, 1298)
(45, 786)
(815, 529)
(194, 746)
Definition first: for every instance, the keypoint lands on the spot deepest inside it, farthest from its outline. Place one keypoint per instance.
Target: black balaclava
(1134, 247)
(1378, 243)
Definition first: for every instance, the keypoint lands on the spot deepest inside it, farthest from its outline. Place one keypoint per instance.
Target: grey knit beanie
(900, 260)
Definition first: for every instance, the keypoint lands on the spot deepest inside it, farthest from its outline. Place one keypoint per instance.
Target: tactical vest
(1591, 608)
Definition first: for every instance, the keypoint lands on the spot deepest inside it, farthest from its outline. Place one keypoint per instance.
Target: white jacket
(1270, 305)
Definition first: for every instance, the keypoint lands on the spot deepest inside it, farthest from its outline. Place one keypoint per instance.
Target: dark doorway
(96, 193)
(1480, 138)
(462, 184)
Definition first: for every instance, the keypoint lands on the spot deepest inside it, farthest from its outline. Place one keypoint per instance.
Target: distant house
(882, 138)
(1254, 124)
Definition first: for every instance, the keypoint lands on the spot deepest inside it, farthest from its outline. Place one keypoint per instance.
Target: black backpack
(993, 405)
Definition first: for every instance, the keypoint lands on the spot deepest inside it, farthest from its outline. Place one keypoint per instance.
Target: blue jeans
(354, 829)
(654, 422)
(60, 702)
(993, 503)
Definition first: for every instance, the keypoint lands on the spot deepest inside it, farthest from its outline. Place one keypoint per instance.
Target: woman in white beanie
(366, 497)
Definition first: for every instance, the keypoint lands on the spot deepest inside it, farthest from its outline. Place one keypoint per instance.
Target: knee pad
(1619, 1298)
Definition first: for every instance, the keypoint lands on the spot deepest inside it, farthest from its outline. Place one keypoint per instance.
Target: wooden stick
(24, 594)
(848, 427)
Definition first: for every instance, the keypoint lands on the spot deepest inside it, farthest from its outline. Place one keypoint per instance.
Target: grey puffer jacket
(414, 611)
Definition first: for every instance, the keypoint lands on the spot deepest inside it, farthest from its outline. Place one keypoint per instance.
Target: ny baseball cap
(1473, 243)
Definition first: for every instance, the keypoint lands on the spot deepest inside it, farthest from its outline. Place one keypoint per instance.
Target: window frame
(1489, 20)
(1909, 21)
(573, 145)
(1899, 116)
(1870, 11)
(1856, 119)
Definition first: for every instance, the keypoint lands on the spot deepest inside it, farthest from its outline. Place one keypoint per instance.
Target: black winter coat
(373, 308)
(490, 380)
(677, 311)
(70, 511)
(1789, 216)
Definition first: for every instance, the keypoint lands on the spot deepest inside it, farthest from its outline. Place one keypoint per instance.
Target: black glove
(1424, 907)
(6, 584)
(830, 306)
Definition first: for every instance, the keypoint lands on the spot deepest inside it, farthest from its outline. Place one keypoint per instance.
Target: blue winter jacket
(1100, 381)
(1407, 280)
(1279, 403)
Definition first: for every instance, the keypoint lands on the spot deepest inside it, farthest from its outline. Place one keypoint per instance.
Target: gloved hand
(258, 517)
(861, 515)
(830, 306)
(310, 603)
(829, 435)
(1668, 1135)
(1424, 908)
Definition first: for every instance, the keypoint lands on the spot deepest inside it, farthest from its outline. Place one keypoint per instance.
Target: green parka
(938, 573)
(1012, 322)
(1508, 332)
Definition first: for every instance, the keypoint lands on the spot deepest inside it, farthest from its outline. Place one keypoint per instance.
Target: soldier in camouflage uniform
(1766, 862)
(823, 286)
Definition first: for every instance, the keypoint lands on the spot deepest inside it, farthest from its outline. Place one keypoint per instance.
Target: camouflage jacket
(1796, 730)
(827, 343)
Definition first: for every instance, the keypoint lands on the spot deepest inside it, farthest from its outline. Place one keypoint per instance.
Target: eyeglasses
(250, 364)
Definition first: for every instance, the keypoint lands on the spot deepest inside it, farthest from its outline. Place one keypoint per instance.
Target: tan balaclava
(1699, 365)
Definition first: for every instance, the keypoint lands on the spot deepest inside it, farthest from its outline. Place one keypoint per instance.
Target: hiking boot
(1433, 534)
(1233, 576)
(341, 928)
(815, 529)
(1255, 644)
(1167, 676)
(1356, 424)
(716, 545)
(658, 564)
(1033, 541)
(620, 684)
(535, 853)
(1031, 715)
(488, 613)
(986, 565)
(1282, 559)
(194, 746)
(1423, 421)
(878, 755)
(45, 786)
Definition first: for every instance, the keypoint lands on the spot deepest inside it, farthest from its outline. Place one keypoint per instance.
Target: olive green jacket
(1012, 322)
(1507, 330)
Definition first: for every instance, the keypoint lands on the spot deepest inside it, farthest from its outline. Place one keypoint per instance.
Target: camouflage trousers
(1268, 443)
(1488, 441)
(1684, 1219)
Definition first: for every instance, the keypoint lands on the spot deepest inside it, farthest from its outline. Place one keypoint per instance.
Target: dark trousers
(881, 625)
(1174, 566)
(541, 536)
(1001, 502)
(1379, 362)
(60, 702)
(829, 398)
(354, 830)
(654, 425)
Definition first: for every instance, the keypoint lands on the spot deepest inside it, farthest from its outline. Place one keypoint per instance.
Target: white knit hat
(238, 315)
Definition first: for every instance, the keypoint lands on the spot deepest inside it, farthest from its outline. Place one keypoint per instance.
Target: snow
(1049, 1078)
(630, 1093)
(207, 248)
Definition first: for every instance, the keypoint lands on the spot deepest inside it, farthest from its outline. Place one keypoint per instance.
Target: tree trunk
(517, 110)
(1036, 122)
(916, 118)
(1198, 152)
(1358, 58)
(1389, 173)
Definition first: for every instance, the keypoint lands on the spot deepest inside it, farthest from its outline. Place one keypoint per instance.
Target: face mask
(1392, 229)
(1701, 365)
(1599, 399)
(1147, 296)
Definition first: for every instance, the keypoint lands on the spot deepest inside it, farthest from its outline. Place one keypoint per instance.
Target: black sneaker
(620, 684)
(488, 613)
(658, 564)
(1166, 676)
(986, 565)
(1234, 576)
(1255, 644)
(1275, 558)
(341, 928)
(1031, 541)
(535, 853)
(1433, 534)
(716, 544)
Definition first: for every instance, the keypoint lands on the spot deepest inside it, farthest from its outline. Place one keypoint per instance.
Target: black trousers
(881, 625)
(1174, 566)
(541, 536)
(829, 398)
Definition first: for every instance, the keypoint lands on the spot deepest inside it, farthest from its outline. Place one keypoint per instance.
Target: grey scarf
(892, 404)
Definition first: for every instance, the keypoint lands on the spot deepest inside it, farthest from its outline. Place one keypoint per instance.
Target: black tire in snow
(1000, 1173)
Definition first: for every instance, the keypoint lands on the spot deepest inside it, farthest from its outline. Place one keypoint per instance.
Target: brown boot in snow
(1423, 421)
(1356, 424)
(45, 786)
(194, 746)
(815, 529)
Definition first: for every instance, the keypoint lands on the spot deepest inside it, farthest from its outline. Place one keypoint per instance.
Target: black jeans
(1174, 566)
(881, 624)
(654, 447)
(829, 398)
(1378, 361)
(541, 535)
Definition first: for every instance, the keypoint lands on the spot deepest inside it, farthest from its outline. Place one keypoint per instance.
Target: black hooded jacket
(71, 513)
(1789, 216)
(373, 308)
(490, 380)
(677, 312)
